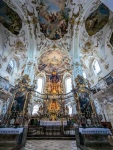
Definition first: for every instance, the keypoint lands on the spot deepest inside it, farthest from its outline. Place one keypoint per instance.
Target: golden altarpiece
(53, 107)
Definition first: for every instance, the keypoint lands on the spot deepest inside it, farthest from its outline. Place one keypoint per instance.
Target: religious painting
(19, 101)
(111, 39)
(9, 18)
(53, 18)
(85, 105)
(97, 20)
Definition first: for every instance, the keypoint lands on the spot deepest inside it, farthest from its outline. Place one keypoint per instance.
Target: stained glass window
(39, 85)
(68, 85)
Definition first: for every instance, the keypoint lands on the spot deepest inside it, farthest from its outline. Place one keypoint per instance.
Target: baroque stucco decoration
(97, 20)
(19, 46)
(53, 18)
(9, 18)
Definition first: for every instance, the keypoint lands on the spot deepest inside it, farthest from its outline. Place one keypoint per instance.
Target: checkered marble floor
(51, 145)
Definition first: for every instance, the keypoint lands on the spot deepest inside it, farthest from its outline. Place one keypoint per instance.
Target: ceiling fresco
(111, 39)
(97, 20)
(53, 18)
(54, 61)
(9, 18)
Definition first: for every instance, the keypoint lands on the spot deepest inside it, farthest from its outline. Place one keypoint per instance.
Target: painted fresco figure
(97, 19)
(53, 20)
(9, 18)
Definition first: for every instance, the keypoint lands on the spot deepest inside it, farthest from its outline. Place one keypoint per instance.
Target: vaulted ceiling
(49, 27)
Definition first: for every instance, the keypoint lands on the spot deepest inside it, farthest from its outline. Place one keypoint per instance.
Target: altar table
(52, 123)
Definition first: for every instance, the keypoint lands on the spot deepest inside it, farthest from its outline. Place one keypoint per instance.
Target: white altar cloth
(104, 131)
(11, 130)
(52, 123)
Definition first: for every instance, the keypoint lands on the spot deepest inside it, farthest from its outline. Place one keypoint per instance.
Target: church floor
(51, 145)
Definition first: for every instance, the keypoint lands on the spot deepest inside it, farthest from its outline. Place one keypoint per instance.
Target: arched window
(10, 67)
(39, 85)
(70, 110)
(35, 109)
(84, 74)
(96, 67)
(68, 84)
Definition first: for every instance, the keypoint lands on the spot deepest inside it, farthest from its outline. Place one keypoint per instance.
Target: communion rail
(51, 131)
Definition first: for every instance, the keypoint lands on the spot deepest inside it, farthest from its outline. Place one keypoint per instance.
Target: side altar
(13, 128)
(90, 132)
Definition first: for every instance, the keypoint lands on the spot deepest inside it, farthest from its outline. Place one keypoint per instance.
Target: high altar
(53, 87)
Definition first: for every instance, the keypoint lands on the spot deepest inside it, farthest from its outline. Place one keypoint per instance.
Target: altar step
(6, 148)
(50, 138)
(6, 145)
(9, 145)
(101, 147)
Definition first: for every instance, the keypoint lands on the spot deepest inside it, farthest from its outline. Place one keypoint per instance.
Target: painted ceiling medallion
(9, 18)
(97, 20)
(54, 60)
(53, 18)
